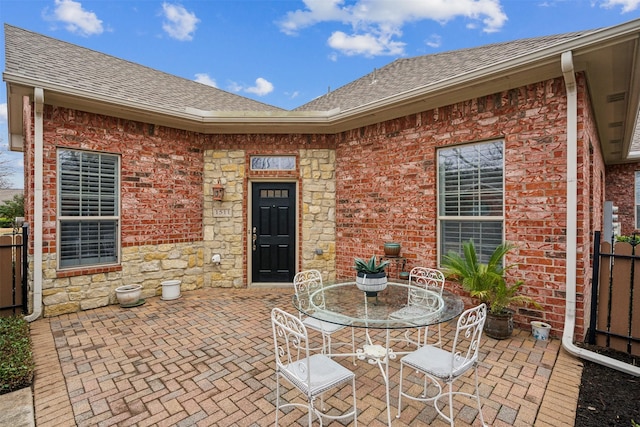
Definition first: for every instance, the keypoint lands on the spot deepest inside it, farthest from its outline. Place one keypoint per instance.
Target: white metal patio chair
(312, 375)
(308, 285)
(447, 366)
(428, 278)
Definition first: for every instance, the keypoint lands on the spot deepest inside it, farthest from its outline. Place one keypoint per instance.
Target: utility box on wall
(611, 224)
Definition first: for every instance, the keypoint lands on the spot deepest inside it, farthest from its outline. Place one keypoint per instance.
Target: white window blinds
(88, 208)
(471, 197)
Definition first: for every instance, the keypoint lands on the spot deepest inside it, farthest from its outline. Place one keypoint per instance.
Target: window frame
(442, 218)
(636, 200)
(61, 219)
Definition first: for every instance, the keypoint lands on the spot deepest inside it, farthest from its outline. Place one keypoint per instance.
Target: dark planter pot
(499, 326)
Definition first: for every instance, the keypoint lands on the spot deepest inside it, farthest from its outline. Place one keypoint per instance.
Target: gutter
(38, 101)
(331, 118)
(572, 226)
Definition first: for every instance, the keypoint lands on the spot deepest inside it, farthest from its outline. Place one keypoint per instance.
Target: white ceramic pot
(371, 283)
(170, 289)
(540, 330)
(128, 294)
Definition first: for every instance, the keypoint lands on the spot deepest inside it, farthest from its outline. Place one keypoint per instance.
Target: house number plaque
(222, 213)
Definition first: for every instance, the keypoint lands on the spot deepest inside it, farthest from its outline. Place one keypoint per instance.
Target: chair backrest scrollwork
(466, 343)
(307, 285)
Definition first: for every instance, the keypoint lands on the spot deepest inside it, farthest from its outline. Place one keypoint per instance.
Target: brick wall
(383, 177)
(591, 175)
(386, 177)
(620, 189)
(161, 207)
(161, 174)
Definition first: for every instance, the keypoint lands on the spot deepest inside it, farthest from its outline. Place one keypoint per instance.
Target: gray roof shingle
(410, 73)
(44, 59)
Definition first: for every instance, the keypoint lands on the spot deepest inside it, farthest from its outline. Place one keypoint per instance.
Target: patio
(206, 359)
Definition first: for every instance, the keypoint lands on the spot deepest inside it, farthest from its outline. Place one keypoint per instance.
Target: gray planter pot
(371, 283)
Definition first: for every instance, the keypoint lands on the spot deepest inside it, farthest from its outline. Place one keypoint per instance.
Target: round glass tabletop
(345, 304)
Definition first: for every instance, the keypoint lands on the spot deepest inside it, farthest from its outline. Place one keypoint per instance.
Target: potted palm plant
(371, 276)
(488, 283)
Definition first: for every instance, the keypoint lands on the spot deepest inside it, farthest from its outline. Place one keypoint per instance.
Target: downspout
(572, 225)
(38, 101)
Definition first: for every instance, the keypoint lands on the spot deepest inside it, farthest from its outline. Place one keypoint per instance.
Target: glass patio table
(345, 304)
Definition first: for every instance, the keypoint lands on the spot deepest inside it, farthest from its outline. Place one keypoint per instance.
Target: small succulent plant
(371, 266)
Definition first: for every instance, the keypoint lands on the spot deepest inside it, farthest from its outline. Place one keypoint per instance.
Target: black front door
(273, 231)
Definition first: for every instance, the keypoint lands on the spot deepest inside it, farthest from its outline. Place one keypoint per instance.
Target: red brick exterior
(385, 176)
(621, 191)
(161, 175)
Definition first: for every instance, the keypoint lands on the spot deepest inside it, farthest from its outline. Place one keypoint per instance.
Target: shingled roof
(407, 74)
(87, 80)
(43, 59)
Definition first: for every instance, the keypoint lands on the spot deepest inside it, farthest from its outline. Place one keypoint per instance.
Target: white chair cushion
(325, 374)
(437, 362)
(321, 325)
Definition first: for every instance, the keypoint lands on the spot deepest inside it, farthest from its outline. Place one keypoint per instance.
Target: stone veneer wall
(318, 176)
(147, 265)
(225, 235)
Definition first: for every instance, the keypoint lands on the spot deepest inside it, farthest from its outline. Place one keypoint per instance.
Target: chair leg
(309, 413)
(355, 409)
(451, 404)
(400, 392)
(478, 397)
(326, 342)
(277, 397)
(353, 345)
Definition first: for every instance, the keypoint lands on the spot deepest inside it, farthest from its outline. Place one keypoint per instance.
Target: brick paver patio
(206, 359)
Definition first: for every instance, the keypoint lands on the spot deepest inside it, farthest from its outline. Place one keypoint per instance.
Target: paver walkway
(206, 359)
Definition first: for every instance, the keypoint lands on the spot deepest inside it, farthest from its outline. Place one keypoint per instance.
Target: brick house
(520, 141)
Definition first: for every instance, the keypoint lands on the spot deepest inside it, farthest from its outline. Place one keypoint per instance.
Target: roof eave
(516, 72)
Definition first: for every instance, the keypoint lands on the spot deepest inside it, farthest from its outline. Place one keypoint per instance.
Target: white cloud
(3, 112)
(377, 24)
(627, 5)
(434, 41)
(292, 95)
(364, 44)
(179, 23)
(235, 87)
(77, 20)
(261, 88)
(205, 79)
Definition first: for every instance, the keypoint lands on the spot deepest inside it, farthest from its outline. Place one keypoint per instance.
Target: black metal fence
(14, 264)
(615, 295)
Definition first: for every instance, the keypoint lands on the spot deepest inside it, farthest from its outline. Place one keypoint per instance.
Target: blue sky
(286, 52)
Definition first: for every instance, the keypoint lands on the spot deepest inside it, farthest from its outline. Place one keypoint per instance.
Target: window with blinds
(471, 197)
(88, 213)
